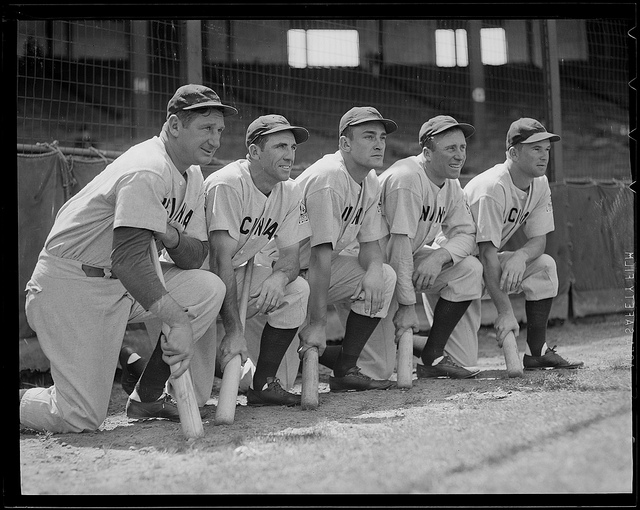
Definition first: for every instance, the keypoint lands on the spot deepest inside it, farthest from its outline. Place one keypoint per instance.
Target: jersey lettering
(425, 214)
(357, 219)
(182, 216)
(515, 215)
(244, 228)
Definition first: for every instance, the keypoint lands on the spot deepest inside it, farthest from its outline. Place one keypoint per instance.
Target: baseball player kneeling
(513, 195)
(250, 203)
(95, 275)
(341, 194)
(422, 197)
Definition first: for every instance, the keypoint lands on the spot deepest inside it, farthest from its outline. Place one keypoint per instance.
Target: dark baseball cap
(361, 114)
(440, 124)
(268, 124)
(193, 96)
(527, 130)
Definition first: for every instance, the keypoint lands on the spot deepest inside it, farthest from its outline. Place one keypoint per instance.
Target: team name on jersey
(357, 217)
(429, 213)
(515, 215)
(259, 227)
(182, 215)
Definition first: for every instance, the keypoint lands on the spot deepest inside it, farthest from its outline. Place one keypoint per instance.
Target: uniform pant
(80, 322)
(378, 360)
(458, 282)
(346, 273)
(290, 316)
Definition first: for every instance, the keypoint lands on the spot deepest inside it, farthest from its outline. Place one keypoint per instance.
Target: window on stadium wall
(101, 83)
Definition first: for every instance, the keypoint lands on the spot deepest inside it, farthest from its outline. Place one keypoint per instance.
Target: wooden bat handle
(228, 394)
(511, 356)
(404, 368)
(183, 386)
(309, 397)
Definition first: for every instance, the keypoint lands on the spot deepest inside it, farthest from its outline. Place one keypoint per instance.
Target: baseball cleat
(272, 394)
(445, 367)
(354, 380)
(550, 360)
(131, 371)
(164, 408)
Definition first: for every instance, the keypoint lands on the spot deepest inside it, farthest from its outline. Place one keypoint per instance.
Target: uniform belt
(96, 272)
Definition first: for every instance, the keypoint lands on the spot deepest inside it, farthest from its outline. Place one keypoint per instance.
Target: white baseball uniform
(233, 203)
(499, 209)
(414, 206)
(80, 321)
(343, 213)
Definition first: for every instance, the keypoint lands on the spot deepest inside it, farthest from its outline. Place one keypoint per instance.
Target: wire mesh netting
(105, 83)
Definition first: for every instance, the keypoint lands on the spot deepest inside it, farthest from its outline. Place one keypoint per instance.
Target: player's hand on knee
(371, 290)
(513, 272)
(270, 296)
(426, 273)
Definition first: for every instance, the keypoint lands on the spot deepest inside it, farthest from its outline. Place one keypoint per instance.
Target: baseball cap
(193, 96)
(268, 124)
(441, 123)
(527, 130)
(360, 114)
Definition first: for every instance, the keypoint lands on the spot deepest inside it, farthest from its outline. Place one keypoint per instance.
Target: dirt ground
(566, 433)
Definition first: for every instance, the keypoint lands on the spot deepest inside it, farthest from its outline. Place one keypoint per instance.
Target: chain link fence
(105, 83)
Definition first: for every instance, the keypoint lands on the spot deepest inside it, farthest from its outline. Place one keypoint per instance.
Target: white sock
(436, 361)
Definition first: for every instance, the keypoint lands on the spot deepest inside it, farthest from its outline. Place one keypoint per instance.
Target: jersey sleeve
(540, 222)
(458, 226)
(139, 201)
(295, 226)
(197, 226)
(324, 209)
(399, 206)
(223, 210)
(487, 214)
(374, 227)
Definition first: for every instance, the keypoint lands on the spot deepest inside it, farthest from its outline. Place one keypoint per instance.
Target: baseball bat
(228, 395)
(511, 355)
(183, 386)
(404, 368)
(309, 397)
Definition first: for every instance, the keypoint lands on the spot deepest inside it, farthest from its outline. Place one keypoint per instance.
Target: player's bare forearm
(289, 262)
(401, 260)
(221, 247)
(533, 248)
(319, 280)
(492, 273)
(370, 256)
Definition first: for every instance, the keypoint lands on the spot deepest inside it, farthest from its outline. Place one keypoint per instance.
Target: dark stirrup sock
(356, 333)
(537, 317)
(273, 346)
(446, 316)
(330, 356)
(151, 384)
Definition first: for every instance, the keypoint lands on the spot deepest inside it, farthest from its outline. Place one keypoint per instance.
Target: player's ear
(426, 153)
(173, 123)
(254, 150)
(344, 143)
